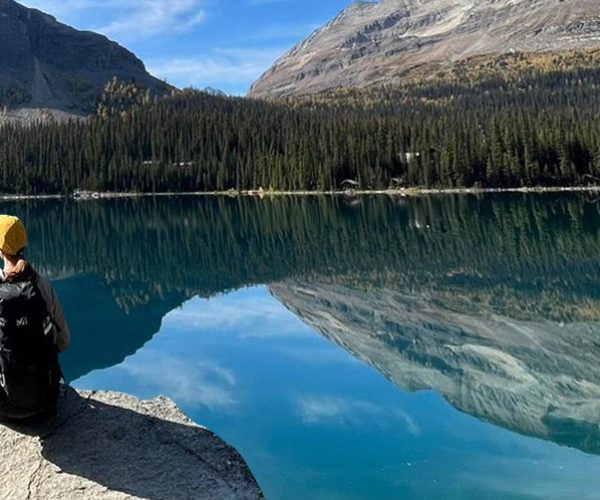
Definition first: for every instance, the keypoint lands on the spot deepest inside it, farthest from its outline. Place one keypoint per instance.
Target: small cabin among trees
(349, 184)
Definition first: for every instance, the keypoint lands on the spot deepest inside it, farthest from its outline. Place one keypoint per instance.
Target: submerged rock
(113, 446)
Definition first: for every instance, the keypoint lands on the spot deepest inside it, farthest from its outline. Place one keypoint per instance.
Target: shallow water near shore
(430, 347)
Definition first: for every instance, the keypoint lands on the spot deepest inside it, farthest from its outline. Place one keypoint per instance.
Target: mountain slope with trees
(536, 128)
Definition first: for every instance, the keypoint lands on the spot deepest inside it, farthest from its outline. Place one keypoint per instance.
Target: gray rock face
(113, 446)
(538, 378)
(46, 64)
(371, 43)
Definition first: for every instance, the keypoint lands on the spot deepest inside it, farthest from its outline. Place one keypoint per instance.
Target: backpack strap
(35, 283)
(47, 328)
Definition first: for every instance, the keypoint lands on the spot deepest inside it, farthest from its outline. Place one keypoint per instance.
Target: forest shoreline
(404, 192)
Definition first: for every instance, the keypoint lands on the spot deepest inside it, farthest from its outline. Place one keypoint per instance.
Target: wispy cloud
(127, 19)
(352, 412)
(199, 382)
(219, 66)
(150, 17)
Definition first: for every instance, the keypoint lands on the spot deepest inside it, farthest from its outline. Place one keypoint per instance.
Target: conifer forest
(540, 128)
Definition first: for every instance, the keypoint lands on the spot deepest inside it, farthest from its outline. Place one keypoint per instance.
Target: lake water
(433, 347)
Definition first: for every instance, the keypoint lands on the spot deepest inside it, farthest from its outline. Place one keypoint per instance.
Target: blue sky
(225, 44)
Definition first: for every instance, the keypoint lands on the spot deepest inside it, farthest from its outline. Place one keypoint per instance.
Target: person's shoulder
(42, 280)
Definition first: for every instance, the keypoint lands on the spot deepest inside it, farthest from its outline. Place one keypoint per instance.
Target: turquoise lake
(428, 347)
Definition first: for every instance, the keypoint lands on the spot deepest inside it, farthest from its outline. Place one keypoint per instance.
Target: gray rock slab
(113, 446)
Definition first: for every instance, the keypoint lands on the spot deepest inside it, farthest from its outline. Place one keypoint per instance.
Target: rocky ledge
(113, 446)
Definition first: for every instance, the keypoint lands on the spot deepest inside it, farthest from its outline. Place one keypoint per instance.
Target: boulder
(113, 446)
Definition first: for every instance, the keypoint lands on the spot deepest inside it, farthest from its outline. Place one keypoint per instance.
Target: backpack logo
(22, 321)
(48, 325)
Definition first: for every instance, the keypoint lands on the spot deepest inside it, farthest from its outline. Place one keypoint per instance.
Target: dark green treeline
(538, 130)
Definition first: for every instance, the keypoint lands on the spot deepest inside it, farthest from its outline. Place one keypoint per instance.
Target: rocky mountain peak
(47, 64)
(369, 43)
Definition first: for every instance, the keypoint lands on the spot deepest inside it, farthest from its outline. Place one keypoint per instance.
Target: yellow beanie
(13, 237)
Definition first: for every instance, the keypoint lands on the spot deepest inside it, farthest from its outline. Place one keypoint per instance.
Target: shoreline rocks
(113, 446)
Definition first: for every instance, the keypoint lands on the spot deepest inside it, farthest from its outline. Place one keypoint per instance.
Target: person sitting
(33, 331)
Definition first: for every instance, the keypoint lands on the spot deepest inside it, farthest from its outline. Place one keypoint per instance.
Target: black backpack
(29, 369)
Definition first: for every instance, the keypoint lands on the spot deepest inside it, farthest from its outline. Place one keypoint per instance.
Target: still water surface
(436, 347)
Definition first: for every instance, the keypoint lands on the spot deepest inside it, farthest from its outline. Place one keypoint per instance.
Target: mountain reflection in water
(491, 301)
(534, 377)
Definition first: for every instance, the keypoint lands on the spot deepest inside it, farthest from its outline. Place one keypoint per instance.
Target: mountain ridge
(48, 65)
(371, 43)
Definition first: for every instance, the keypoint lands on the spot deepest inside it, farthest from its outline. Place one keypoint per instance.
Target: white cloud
(127, 19)
(220, 66)
(151, 17)
(199, 382)
(353, 412)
